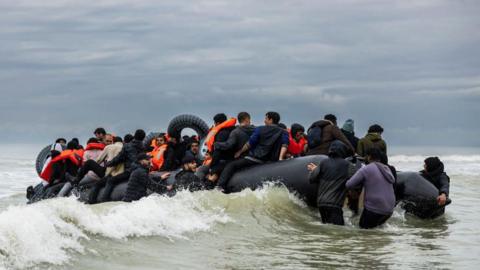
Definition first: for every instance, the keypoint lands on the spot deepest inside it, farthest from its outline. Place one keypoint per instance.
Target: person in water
(377, 180)
(220, 156)
(328, 132)
(331, 175)
(348, 131)
(297, 142)
(373, 139)
(139, 180)
(268, 143)
(434, 172)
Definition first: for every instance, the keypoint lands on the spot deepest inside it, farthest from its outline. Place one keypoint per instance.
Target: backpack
(314, 136)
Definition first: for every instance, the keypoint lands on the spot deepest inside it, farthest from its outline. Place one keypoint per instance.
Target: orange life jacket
(158, 156)
(95, 146)
(210, 139)
(75, 156)
(296, 148)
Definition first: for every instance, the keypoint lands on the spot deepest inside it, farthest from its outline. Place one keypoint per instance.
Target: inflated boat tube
(183, 121)
(416, 195)
(41, 158)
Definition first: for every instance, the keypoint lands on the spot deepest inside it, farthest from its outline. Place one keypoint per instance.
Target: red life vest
(75, 156)
(210, 139)
(95, 146)
(296, 148)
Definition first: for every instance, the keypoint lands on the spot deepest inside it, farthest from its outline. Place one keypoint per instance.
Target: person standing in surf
(377, 180)
(435, 174)
(331, 175)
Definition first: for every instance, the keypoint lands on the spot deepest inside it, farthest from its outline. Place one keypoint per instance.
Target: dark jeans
(111, 182)
(370, 219)
(91, 165)
(331, 214)
(233, 167)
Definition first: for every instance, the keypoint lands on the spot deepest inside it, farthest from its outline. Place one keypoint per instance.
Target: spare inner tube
(178, 123)
(42, 157)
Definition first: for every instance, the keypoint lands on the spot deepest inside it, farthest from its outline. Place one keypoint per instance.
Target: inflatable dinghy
(414, 193)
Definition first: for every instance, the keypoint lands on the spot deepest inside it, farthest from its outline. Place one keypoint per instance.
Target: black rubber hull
(416, 195)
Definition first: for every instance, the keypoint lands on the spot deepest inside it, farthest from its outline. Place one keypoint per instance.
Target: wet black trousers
(91, 165)
(370, 219)
(331, 215)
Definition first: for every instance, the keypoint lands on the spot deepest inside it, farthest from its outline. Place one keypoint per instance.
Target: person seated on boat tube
(331, 175)
(297, 141)
(434, 172)
(59, 145)
(170, 156)
(127, 138)
(100, 134)
(127, 157)
(221, 131)
(139, 180)
(93, 149)
(348, 131)
(371, 140)
(158, 148)
(186, 178)
(239, 136)
(99, 168)
(322, 133)
(377, 180)
(268, 143)
(194, 151)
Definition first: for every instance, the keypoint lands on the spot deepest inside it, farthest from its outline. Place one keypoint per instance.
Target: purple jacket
(378, 181)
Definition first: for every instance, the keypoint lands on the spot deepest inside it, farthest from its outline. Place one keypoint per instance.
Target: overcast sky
(67, 67)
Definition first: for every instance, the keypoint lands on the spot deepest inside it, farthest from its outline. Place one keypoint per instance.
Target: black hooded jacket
(439, 179)
(331, 175)
(237, 139)
(128, 155)
(268, 142)
(138, 183)
(188, 180)
(222, 154)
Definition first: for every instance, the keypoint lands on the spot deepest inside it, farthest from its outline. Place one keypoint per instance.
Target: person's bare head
(108, 139)
(272, 118)
(195, 147)
(100, 133)
(244, 118)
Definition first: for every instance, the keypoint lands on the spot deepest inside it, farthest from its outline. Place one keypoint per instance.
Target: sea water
(268, 228)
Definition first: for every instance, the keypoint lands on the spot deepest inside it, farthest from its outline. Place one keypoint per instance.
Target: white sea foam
(468, 165)
(50, 231)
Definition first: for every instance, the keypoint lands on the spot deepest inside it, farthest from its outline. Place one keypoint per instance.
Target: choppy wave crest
(53, 231)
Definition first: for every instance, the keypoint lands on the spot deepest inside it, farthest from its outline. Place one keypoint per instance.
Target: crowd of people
(234, 144)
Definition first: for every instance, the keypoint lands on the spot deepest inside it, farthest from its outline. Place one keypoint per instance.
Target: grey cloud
(69, 66)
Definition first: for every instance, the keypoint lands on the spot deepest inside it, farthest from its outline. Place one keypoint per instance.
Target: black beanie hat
(432, 163)
(188, 159)
(375, 129)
